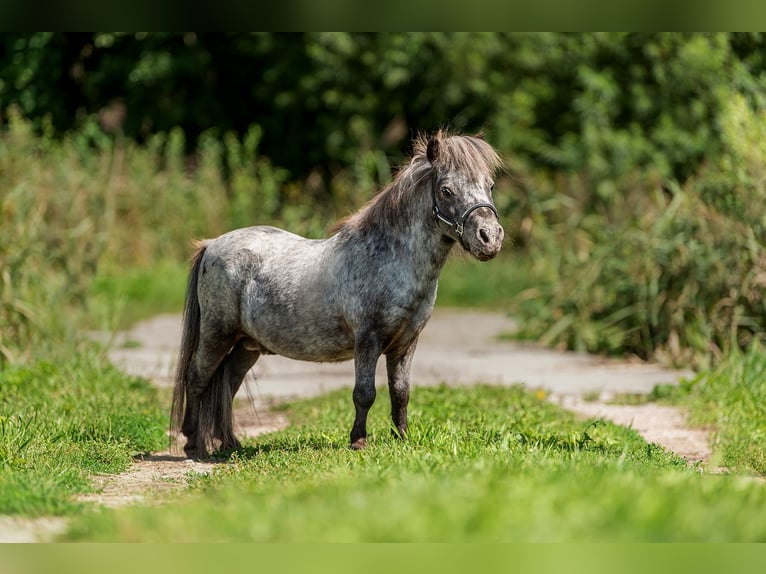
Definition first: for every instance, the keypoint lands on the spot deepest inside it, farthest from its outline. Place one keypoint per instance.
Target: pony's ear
(432, 150)
(480, 135)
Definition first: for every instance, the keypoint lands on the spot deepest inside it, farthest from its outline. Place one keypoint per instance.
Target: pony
(366, 291)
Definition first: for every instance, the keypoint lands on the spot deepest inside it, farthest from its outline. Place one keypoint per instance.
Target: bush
(664, 271)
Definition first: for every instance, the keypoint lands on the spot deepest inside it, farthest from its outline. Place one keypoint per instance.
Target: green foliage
(90, 206)
(731, 400)
(664, 271)
(481, 464)
(604, 103)
(51, 237)
(636, 165)
(61, 422)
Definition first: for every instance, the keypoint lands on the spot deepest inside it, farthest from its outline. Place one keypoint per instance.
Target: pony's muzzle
(488, 241)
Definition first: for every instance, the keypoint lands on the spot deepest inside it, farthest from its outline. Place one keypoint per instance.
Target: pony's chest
(400, 324)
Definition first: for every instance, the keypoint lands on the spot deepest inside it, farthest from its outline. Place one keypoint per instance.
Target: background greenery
(635, 163)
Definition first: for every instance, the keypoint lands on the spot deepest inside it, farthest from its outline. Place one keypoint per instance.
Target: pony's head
(463, 178)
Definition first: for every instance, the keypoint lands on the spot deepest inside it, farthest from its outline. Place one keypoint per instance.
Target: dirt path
(457, 348)
(155, 477)
(664, 425)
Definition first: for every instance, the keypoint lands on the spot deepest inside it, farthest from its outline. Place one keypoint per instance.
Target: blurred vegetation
(635, 179)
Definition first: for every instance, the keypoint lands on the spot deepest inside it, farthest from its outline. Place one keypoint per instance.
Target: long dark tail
(215, 423)
(189, 340)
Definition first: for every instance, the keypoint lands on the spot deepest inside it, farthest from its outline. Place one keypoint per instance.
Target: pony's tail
(189, 340)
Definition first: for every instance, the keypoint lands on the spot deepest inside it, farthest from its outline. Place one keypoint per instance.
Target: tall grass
(50, 238)
(92, 205)
(731, 400)
(662, 270)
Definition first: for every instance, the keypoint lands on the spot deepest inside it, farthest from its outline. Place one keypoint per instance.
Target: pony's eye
(492, 187)
(447, 192)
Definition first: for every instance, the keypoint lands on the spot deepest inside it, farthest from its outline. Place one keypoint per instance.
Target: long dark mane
(471, 155)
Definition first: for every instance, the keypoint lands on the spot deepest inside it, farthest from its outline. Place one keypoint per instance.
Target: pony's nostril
(484, 235)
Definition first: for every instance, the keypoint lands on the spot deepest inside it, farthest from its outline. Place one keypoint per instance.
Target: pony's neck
(400, 221)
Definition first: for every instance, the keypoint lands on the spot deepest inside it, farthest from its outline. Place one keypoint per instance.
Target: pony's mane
(471, 155)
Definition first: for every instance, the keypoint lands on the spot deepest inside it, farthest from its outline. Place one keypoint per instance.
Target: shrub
(663, 271)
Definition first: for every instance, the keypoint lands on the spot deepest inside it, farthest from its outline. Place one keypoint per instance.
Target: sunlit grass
(731, 401)
(62, 422)
(465, 282)
(481, 464)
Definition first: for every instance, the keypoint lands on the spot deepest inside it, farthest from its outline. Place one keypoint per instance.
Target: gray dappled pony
(366, 291)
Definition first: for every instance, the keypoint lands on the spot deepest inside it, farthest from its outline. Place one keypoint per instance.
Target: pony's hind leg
(208, 357)
(238, 362)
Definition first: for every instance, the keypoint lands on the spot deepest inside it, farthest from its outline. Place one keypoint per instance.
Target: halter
(459, 225)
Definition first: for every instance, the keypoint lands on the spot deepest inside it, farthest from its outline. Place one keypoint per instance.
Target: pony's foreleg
(366, 354)
(398, 369)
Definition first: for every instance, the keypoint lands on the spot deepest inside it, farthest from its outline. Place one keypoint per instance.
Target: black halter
(459, 225)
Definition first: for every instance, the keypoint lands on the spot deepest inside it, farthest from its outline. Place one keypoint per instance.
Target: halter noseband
(459, 225)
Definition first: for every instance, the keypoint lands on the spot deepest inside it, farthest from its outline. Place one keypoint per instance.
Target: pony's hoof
(359, 444)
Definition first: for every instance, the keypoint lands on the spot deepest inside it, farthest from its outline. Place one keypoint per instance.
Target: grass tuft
(731, 399)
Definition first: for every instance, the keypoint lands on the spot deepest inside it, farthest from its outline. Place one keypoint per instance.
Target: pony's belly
(319, 356)
(304, 345)
(322, 353)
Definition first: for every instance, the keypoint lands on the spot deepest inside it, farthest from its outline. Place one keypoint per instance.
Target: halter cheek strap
(459, 225)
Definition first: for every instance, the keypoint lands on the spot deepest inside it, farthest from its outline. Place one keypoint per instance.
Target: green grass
(62, 422)
(481, 464)
(731, 400)
(664, 394)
